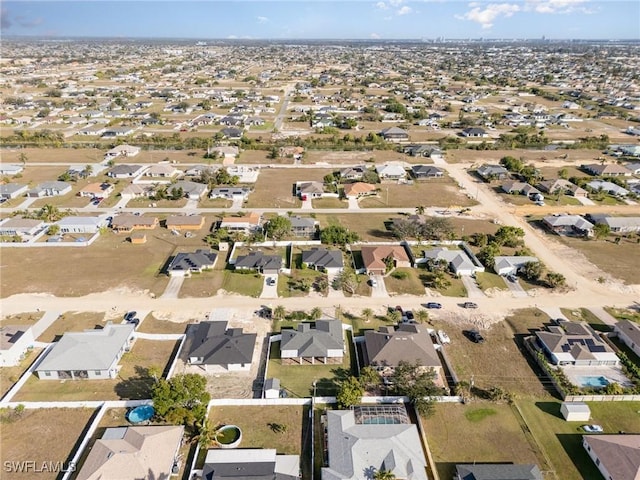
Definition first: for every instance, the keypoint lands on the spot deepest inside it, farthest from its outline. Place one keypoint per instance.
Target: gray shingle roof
(217, 345)
(498, 472)
(314, 342)
(323, 258)
(193, 261)
(259, 261)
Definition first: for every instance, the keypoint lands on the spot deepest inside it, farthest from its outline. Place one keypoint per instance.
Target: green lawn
(624, 314)
(488, 280)
(562, 441)
(298, 379)
(329, 202)
(289, 285)
(411, 285)
(249, 285)
(585, 315)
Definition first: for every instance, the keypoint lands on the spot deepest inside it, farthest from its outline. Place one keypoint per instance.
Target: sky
(324, 19)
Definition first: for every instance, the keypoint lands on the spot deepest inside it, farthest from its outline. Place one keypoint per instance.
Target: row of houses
(576, 225)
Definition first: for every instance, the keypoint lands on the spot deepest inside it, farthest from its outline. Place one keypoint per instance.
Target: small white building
(575, 411)
(73, 224)
(272, 388)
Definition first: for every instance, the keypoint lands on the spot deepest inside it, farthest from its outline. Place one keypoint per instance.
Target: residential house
(184, 264)
(408, 342)
(307, 190)
(609, 187)
(232, 133)
(376, 257)
(617, 457)
(497, 471)
(359, 189)
(521, 188)
(215, 345)
(137, 191)
(305, 227)
(11, 170)
(633, 168)
(562, 186)
(258, 261)
(77, 224)
(323, 344)
(20, 226)
(231, 193)
(458, 261)
(617, 224)
(628, 333)
(394, 134)
(573, 343)
(93, 130)
(191, 190)
(9, 191)
(182, 223)
(126, 223)
(133, 452)
(607, 170)
(115, 132)
(422, 151)
(426, 171)
(356, 442)
(15, 340)
(474, 132)
(323, 259)
(126, 171)
(50, 189)
(97, 190)
(391, 171)
(511, 265)
(92, 354)
(568, 225)
(353, 173)
(247, 224)
(492, 172)
(162, 170)
(250, 464)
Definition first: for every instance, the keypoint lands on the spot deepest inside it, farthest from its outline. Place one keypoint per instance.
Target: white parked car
(592, 428)
(444, 338)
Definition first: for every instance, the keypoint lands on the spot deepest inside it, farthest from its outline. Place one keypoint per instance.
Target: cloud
(396, 5)
(5, 21)
(486, 14)
(404, 10)
(382, 6)
(557, 6)
(262, 20)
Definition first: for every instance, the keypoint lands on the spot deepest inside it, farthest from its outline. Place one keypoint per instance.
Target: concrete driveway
(173, 288)
(269, 291)
(473, 290)
(332, 292)
(380, 290)
(515, 288)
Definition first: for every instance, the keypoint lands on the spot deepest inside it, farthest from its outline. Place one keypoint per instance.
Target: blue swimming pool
(141, 414)
(592, 381)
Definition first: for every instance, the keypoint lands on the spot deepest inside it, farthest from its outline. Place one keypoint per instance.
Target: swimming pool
(592, 381)
(141, 413)
(381, 420)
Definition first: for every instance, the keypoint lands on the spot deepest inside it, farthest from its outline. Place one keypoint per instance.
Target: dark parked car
(470, 305)
(130, 316)
(473, 335)
(409, 315)
(434, 305)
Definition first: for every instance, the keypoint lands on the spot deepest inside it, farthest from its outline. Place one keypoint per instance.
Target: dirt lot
(72, 322)
(276, 187)
(220, 382)
(541, 158)
(44, 435)
(441, 192)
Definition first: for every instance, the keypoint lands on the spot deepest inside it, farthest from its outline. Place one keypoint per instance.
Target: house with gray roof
(353, 173)
(492, 172)
(126, 171)
(12, 190)
(50, 189)
(214, 345)
(609, 187)
(497, 471)
(306, 227)
(573, 343)
(426, 171)
(607, 170)
(560, 185)
(391, 171)
(457, 260)
(628, 333)
(190, 190)
(616, 456)
(511, 264)
(267, 264)
(11, 169)
(617, 224)
(92, 354)
(356, 445)
(520, 188)
(323, 259)
(184, 264)
(568, 225)
(73, 224)
(394, 134)
(408, 342)
(422, 150)
(306, 345)
(20, 226)
(250, 464)
(309, 189)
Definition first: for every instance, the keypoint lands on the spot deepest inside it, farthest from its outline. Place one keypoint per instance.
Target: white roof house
(391, 171)
(92, 354)
(20, 226)
(458, 261)
(81, 224)
(122, 151)
(507, 265)
(12, 190)
(11, 169)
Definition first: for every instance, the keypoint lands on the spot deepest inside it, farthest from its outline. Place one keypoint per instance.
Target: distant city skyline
(323, 19)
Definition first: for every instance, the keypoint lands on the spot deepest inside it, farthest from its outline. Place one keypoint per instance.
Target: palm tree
(367, 313)
(50, 213)
(422, 315)
(384, 475)
(22, 158)
(315, 313)
(394, 316)
(279, 312)
(420, 210)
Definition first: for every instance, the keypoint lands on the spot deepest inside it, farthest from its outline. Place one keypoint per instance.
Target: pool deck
(612, 374)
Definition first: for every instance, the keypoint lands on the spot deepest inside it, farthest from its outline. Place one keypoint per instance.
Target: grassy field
(72, 322)
(132, 382)
(585, 315)
(205, 284)
(287, 283)
(488, 280)
(329, 202)
(249, 285)
(42, 435)
(442, 192)
(491, 433)
(276, 188)
(411, 285)
(552, 159)
(562, 441)
(298, 379)
(624, 314)
(151, 324)
(621, 261)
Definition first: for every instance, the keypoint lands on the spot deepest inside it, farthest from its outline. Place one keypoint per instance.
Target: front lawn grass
(42, 435)
(487, 281)
(249, 285)
(27, 318)
(275, 188)
(205, 284)
(329, 202)
(290, 285)
(624, 314)
(491, 433)
(404, 281)
(72, 322)
(151, 324)
(298, 380)
(585, 315)
(133, 382)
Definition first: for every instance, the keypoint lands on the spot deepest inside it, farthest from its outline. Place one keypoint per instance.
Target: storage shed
(272, 388)
(575, 411)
